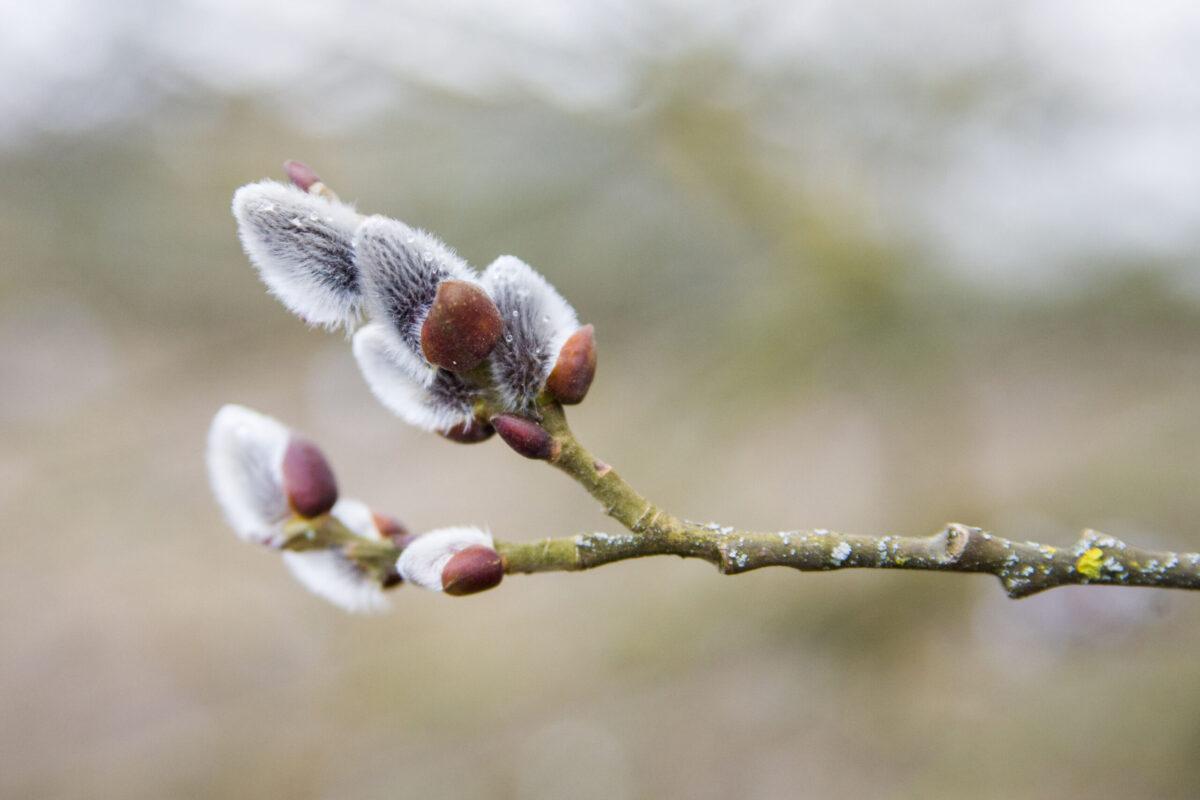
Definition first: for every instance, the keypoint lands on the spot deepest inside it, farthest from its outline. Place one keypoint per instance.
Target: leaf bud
(469, 432)
(302, 177)
(526, 437)
(576, 367)
(300, 174)
(389, 527)
(308, 479)
(462, 327)
(474, 569)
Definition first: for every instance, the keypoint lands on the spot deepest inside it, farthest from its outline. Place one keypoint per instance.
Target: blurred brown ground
(767, 359)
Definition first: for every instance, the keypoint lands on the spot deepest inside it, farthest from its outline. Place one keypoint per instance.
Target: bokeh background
(869, 266)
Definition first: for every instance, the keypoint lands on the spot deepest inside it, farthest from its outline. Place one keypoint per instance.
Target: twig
(1024, 568)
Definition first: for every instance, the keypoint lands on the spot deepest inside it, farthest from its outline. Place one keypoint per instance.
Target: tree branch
(1024, 568)
(484, 385)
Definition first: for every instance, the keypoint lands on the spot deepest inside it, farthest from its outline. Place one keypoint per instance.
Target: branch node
(640, 524)
(954, 541)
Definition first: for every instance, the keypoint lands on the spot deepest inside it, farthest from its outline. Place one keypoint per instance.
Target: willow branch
(461, 323)
(1023, 568)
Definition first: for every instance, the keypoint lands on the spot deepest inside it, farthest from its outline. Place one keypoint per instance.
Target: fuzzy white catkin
(445, 402)
(423, 560)
(400, 269)
(245, 468)
(335, 578)
(303, 248)
(537, 322)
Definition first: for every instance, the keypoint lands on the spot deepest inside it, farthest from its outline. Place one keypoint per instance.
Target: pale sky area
(1016, 143)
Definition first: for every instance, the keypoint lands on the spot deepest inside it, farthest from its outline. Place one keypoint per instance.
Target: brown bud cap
(389, 526)
(391, 579)
(404, 540)
(462, 327)
(300, 174)
(526, 436)
(576, 366)
(472, 569)
(469, 432)
(308, 479)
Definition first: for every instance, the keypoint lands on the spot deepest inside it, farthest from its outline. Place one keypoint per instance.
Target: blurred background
(868, 266)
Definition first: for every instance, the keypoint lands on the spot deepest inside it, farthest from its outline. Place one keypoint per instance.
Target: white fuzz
(424, 559)
(537, 321)
(358, 517)
(245, 468)
(330, 575)
(303, 247)
(442, 404)
(400, 269)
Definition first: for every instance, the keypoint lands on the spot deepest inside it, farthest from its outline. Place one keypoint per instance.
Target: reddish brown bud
(300, 174)
(462, 327)
(308, 479)
(404, 540)
(472, 569)
(469, 432)
(389, 526)
(576, 366)
(391, 579)
(526, 436)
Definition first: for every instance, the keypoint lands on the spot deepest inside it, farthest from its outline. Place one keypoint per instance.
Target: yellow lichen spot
(1088, 564)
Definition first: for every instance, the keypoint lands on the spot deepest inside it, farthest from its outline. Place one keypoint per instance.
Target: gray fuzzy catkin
(537, 321)
(401, 268)
(303, 248)
(447, 400)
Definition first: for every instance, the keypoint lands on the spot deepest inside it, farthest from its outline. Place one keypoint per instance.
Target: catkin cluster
(462, 353)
